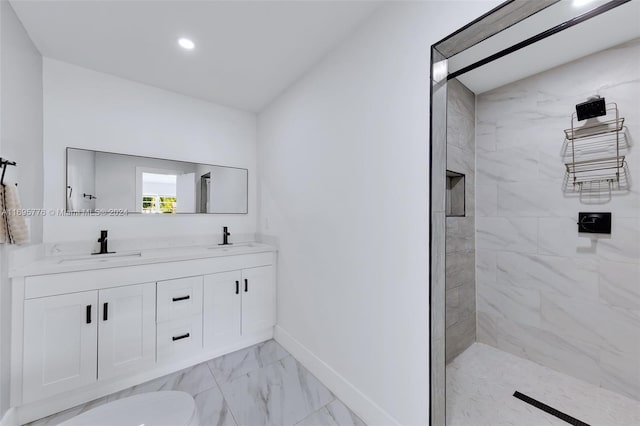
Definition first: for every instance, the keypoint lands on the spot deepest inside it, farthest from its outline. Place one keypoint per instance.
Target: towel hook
(4, 164)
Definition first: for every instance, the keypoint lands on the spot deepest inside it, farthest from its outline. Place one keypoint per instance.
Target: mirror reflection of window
(159, 193)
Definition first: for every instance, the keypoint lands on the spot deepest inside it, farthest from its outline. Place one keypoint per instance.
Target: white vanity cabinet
(83, 332)
(258, 299)
(60, 344)
(75, 339)
(238, 303)
(126, 329)
(222, 304)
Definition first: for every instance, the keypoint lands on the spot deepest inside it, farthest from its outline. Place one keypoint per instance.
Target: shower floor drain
(544, 407)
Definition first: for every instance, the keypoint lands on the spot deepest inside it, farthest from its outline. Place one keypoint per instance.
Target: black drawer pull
(105, 311)
(237, 287)
(88, 314)
(177, 299)
(246, 285)
(184, 336)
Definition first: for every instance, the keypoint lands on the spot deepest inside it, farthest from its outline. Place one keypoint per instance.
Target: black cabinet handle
(177, 299)
(184, 336)
(237, 287)
(105, 311)
(88, 314)
(246, 285)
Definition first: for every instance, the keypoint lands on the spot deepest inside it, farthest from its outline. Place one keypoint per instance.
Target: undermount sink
(232, 246)
(98, 258)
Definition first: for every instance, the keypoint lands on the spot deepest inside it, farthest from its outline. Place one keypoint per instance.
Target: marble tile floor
(481, 382)
(257, 386)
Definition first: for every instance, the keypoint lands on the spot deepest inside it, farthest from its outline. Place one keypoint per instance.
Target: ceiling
(601, 32)
(246, 54)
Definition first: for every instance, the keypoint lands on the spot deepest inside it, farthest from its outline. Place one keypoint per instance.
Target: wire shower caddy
(595, 150)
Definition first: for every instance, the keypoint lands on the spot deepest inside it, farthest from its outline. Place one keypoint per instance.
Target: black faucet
(103, 243)
(225, 237)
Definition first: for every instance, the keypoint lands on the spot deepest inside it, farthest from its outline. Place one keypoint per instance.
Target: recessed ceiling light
(580, 3)
(185, 43)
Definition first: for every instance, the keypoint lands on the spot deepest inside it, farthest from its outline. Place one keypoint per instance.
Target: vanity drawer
(179, 339)
(179, 298)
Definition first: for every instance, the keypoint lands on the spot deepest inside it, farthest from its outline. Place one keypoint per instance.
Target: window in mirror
(159, 193)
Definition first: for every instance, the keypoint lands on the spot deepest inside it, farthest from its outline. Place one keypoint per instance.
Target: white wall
(343, 172)
(20, 141)
(21, 106)
(87, 109)
(545, 292)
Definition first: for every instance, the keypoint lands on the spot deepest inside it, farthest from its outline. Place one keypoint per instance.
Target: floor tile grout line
(333, 395)
(243, 375)
(280, 360)
(273, 362)
(224, 398)
(260, 368)
(318, 410)
(180, 378)
(254, 369)
(314, 376)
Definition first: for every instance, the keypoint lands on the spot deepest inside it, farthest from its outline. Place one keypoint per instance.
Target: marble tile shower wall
(460, 293)
(545, 293)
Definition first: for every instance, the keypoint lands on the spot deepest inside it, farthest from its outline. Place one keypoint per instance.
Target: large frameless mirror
(105, 181)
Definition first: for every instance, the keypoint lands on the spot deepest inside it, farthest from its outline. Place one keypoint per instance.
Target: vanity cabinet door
(127, 331)
(258, 299)
(60, 344)
(221, 313)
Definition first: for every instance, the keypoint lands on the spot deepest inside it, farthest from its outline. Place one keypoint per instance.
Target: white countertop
(61, 264)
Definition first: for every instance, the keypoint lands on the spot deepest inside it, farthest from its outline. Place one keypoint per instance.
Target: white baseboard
(359, 403)
(10, 418)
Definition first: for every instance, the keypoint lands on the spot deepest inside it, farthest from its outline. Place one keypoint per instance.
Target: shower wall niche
(460, 293)
(455, 195)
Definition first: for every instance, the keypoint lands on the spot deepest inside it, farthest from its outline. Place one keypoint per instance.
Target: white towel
(4, 234)
(13, 226)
